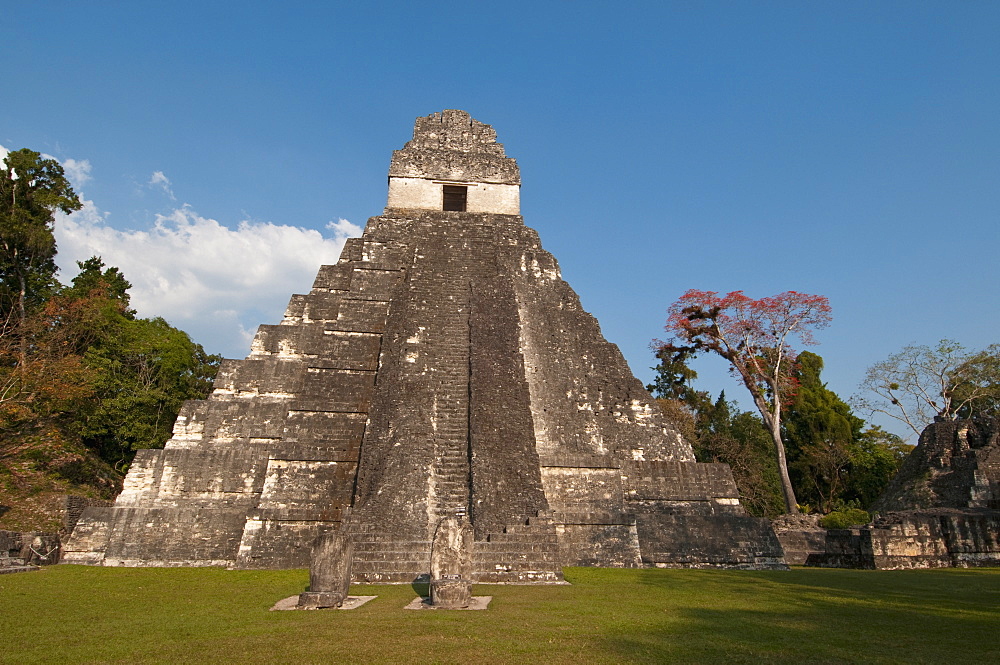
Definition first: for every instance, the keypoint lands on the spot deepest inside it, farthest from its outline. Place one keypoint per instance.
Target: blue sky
(850, 149)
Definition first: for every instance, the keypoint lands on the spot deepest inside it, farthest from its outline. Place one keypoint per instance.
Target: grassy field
(75, 614)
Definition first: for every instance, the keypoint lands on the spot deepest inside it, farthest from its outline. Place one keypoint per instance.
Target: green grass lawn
(76, 614)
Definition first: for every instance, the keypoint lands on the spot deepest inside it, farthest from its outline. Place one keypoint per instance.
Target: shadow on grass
(806, 616)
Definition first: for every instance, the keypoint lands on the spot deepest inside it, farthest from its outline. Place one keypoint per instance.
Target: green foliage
(975, 384)
(739, 439)
(109, 284)
(145, 370)
(875, 458)
(817, 413)
(673, 380)
(833, 459)
(843, 519)
(95, 385)
(31, 190)
(141, 370)
(83, 382)
(721, 432)
(819, 431)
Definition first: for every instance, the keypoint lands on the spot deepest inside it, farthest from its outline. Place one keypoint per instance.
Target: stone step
(451, 481)
(515, 563)
(379, 539)
(523, 536)
(452, 459)
(497, 577)
(520, 547)
(379, 565)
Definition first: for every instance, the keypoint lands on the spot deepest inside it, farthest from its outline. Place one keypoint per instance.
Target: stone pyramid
(441, 367)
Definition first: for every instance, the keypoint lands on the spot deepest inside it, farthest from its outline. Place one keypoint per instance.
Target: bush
(843, 519)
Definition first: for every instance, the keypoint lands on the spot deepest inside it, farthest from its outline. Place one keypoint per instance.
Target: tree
(144, 369)
(738, 438)
(753, 336)
(31, 190)
(674, 378)
(922, 383)
(819, 433)
(875, 458)
(975, 384)
(719, 432)
(105, 379)
(51, 378)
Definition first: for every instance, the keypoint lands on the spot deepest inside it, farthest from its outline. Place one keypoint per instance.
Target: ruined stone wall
(29, 548)
(937, 538)
(451, 145)
(940, 510)
(956, 464)
(801, 537)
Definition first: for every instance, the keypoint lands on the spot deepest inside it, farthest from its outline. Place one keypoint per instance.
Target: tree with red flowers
(753, 335)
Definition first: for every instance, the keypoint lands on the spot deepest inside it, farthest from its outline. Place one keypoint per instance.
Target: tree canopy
(84, 382)
(922, 383)
(31, 190)
(835, 461)
(754, 337)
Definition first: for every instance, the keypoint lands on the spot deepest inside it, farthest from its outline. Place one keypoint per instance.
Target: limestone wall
(422, 194)
(940, 538)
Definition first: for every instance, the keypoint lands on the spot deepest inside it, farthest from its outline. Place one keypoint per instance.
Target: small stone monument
(451, 563)
(329, 572)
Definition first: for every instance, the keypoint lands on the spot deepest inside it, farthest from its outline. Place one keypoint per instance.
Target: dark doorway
(454, 197)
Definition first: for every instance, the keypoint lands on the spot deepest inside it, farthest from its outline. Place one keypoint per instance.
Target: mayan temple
(442, 367)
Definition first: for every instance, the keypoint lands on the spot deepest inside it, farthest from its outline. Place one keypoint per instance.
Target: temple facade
(442, 367)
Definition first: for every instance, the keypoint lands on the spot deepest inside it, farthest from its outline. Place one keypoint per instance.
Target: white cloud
(214, 282)
(163, 182)
(77, 171)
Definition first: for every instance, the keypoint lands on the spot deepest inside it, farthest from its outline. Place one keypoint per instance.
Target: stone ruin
(329, 571)
(28, 550)
(442, 367)
(24, 551)
(452, 563)
(941, 509)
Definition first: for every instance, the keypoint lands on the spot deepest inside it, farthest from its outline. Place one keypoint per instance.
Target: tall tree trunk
(771, 415)
(19, 326)
(791, 505)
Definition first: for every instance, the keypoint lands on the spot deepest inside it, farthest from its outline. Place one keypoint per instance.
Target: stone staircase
(521, 553)
(384, 558)
(440, 297)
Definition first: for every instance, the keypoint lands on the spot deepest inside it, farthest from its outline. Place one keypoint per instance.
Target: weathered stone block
(450, 594)
(329, 571)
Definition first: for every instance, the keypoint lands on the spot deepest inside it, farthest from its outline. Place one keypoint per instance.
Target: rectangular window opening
(455, 197)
